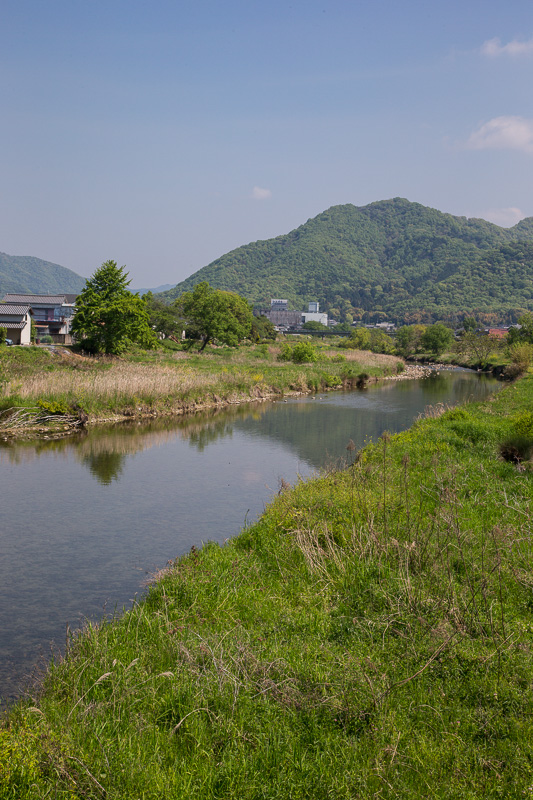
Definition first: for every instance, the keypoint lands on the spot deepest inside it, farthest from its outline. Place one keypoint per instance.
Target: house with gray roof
(16, 318)
(52, 314)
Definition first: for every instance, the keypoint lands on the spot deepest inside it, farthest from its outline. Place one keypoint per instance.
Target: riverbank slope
(370, 636)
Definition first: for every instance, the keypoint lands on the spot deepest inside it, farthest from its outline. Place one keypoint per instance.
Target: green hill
(392, 258)
(28, 275)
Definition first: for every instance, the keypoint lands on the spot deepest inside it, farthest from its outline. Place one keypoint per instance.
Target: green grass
(370, 636)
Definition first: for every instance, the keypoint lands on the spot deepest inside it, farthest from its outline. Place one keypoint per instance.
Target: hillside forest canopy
(393, 259)
(29, 275)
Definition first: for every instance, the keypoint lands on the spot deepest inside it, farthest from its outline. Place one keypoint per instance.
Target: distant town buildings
(280, 316)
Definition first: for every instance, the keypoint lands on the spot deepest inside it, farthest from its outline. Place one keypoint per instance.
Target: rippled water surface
(85, 520)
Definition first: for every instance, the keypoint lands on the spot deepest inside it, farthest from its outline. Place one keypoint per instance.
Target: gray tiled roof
(53, 300)
(15, 325)
(13, 310)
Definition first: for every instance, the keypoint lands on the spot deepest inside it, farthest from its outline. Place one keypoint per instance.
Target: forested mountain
(28, 275)
(392, 259)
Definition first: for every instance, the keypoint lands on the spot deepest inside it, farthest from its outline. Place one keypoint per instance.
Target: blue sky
(163, 134)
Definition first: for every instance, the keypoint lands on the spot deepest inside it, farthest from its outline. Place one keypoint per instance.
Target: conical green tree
(108, 316)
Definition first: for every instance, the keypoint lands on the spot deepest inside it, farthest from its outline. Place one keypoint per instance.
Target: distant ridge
(29, 275)
(155, 290)
(392, 258)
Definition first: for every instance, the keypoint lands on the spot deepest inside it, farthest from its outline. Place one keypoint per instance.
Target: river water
(86, 520)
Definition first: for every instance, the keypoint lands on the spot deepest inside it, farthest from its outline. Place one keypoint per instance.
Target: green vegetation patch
(369, 636)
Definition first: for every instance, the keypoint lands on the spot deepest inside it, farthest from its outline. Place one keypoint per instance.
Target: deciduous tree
(262, 328)
(437, 338)
(216, 314)
(408, 339)
(525, 332)
(314, 325)
(521, 354)
(477, 346)
(165, 319)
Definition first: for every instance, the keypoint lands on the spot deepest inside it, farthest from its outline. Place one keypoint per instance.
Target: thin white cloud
(260, 194)
(504, 133)
(505, 217)
(493, 48)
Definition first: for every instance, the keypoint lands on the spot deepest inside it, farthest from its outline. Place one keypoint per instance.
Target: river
(86, 520)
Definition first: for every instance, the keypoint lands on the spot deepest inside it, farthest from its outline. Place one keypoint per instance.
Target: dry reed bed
(123, 380)
(127, 380)
(85, 390)
(364, 357)
(368, 359)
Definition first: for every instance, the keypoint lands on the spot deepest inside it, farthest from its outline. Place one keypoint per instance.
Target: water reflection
(319, 429)
(92, 446)
(72, 546)
(105, 466)
(315, 427)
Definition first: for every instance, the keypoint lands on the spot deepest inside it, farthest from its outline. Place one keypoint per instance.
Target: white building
(16, 318)
(314, 315)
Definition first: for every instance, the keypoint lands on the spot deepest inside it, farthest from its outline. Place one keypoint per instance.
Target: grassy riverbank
(370, 636)
(58, 386)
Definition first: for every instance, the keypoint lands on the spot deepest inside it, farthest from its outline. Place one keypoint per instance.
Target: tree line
(109, 317)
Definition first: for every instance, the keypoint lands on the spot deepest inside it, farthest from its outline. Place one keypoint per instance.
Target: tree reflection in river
(317, 428)
(99, 447)
(105, 466)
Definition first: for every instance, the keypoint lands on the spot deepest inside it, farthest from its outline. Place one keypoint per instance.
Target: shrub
(521, 354)
(523, 423)
(365, 339)
(170, 344)
(512, 372)
(285, 354)
(55, 407)
(304, 352)
(329, 381)
(300, 353)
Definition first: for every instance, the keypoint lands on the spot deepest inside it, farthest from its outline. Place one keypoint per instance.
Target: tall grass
(164, 382)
